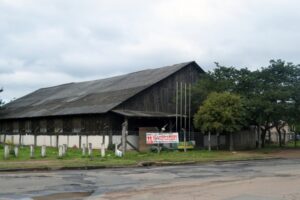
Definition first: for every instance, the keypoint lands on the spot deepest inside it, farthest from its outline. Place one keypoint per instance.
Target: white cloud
(49, 42)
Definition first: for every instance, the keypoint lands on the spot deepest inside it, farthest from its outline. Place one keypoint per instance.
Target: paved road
(248, 180)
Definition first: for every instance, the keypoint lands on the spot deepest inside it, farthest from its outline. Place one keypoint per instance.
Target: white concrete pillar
(64, 150)
(6, 152)
(102, 150)
(90, 150)
(43, 151)
(60, 151)
(16, 150)
(83, 150)
(31, 151)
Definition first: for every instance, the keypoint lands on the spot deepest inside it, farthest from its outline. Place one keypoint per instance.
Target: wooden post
(4, 140)
(68, 139)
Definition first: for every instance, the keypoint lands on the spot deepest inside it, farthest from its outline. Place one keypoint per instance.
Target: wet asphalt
(89, 184)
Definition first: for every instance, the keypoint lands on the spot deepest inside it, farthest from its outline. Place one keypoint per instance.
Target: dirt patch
(275, 188)
(67, 195)
(286, 153)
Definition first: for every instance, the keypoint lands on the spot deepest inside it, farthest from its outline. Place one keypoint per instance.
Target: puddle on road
(65, 195)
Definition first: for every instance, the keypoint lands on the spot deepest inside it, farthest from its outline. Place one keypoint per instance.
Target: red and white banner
(161, 138)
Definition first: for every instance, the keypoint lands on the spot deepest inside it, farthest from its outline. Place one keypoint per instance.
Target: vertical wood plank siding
(161, 96)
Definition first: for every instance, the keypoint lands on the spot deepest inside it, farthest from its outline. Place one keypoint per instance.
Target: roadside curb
(140, 164)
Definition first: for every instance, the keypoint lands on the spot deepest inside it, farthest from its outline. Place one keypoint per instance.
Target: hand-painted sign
(161, 138)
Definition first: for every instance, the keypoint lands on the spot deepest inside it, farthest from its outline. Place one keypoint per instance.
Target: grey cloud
(49, 42)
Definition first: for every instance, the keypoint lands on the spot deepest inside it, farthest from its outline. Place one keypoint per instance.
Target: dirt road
(276, 179)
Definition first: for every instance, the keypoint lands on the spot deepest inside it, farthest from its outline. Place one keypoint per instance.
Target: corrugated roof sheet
(98, 96)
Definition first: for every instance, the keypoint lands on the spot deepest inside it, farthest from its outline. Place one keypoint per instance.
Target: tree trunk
(263, 138)
(270, 139)
(259, 137)
(280, 136)
(209, 142)
(231, 142)
(284, 137)
(295, 140)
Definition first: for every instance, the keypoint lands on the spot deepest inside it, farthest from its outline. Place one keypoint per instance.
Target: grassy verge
(74, 159)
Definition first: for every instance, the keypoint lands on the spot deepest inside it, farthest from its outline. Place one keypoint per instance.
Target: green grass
(75, 159)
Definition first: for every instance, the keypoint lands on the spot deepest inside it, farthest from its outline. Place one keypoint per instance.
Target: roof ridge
(111, 77)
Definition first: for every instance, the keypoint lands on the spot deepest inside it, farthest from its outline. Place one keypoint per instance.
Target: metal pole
(184, 139)
(185, 107)
(190, 100)
(176, 99)
(180, 106)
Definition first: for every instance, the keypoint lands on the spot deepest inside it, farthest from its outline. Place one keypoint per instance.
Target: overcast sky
(49, 42)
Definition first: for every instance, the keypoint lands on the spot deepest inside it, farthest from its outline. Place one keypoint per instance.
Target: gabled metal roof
(98, 96)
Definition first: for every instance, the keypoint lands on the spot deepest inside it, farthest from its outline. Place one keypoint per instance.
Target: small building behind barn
(94, 111)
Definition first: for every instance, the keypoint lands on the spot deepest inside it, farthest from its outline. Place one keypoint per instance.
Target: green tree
(279, 91)
(221, 113)
(271, 95)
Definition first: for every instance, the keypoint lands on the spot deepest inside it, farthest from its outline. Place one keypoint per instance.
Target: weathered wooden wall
(72, 125)
(161, 96)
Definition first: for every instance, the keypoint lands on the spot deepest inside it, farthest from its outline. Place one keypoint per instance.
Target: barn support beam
(35, 139)
(57, 140)
(79, 141)
(20, 139)
(110, 138)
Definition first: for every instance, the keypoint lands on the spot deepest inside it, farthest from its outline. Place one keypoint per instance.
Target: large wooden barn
(98, 108)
